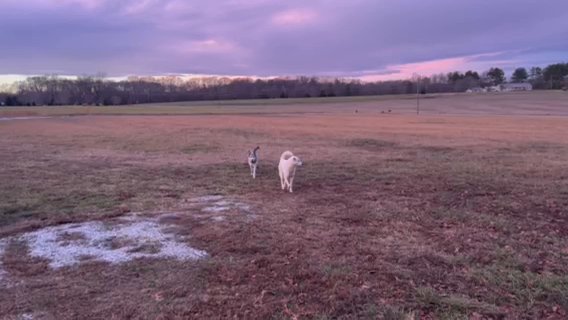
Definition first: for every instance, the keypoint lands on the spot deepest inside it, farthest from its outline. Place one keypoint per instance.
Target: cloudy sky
(370, 39)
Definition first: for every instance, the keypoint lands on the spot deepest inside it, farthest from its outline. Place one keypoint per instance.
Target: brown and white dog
(253, 161)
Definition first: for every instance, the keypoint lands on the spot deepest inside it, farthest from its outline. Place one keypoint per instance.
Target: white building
(476, 90)
(494, 89)
(524, 86)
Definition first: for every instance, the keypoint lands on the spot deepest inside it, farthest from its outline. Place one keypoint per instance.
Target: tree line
(96, 90)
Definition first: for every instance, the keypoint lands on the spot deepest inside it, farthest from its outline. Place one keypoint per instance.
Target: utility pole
(418, 95)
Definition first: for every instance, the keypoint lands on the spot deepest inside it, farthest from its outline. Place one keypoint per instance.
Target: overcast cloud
(371, 39)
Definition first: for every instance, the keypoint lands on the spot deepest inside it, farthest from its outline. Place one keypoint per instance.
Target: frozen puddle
(123, 239)
(130, 238)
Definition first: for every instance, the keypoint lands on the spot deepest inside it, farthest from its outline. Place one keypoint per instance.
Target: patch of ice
(243, 206)
(207, 199)
(218, 204)
(168, 215)
(2, 249)
(215, 209)
(20, 118)
(251, 216)
(94, 240)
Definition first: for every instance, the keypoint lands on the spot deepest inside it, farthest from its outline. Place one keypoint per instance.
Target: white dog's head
(296, 161)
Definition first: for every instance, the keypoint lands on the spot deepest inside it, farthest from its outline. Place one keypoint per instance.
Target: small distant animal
(287, 169)
(253, 161)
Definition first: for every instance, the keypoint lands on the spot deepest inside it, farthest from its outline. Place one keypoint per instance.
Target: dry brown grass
(394, 217)
(503, 103)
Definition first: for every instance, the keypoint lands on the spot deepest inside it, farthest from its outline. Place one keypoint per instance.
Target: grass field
(456, 214)
(517, 103)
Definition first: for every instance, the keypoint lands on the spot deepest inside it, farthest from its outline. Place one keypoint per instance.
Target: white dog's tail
(286, 155)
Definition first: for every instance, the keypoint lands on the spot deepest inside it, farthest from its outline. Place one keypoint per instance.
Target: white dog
(253, 161)
(287, 169)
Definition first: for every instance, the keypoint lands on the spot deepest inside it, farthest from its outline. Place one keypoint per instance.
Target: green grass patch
(525, 288)
(333, 271)
(195, 148)
(452, 306)
(396, 313)
(371, 144)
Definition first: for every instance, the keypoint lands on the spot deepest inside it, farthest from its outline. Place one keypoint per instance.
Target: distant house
(494, 89)
(521, 86)
(475, 90)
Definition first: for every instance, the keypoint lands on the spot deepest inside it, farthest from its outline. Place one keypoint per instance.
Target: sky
(366, 39)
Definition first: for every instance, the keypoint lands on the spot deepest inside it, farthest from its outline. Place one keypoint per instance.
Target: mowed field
(514, 103)
(459, 213)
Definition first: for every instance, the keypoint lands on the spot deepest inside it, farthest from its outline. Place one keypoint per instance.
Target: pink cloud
(177, 6)
(87, 4)
(294, 17)
(428, 68)
(137, 7)
(208, 46)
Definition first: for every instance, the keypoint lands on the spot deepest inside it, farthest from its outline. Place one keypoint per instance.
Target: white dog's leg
(281, 178)
(287, 183)
(254, 171)
(292, 176)
(291, 183)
